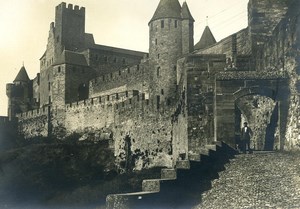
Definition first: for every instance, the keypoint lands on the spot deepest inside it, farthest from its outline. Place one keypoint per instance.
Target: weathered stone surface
(267, 180)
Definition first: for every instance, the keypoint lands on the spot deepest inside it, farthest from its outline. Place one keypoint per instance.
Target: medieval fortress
(167, 104)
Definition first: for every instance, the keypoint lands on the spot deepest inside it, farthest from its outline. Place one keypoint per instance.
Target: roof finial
(23, 63)
(206, 20)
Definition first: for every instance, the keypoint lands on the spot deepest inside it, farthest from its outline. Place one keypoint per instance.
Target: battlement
(105, 100)
(76, 9)
(119, 75)
(33, 113)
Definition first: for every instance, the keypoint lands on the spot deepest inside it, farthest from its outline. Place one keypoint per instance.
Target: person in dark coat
(246, 134)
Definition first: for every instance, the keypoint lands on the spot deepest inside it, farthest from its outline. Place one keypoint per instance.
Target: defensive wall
(144, 133)
(105, 59)
(281, 53)
(34, 123)
(200, 83)
(126, 79)
(237, 49)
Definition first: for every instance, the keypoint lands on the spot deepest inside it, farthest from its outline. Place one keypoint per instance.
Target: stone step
(151, 185)
(183, 164)
(194, 157)
(168, 173)
(204, 151)
(122, 201)
(212, 147)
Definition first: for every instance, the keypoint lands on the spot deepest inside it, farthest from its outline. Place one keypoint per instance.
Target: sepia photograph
(150, 104)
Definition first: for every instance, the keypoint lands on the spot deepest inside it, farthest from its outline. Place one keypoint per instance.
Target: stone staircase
(178, 187)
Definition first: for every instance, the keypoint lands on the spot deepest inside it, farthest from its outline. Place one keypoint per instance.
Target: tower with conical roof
(19, 93)
(170, 36)
(207, 39)
(187, 29)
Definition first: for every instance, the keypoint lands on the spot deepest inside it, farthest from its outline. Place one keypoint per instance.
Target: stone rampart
(144, 132)
(34, 123)
(135, 77)
(281, 53)
(232, 45)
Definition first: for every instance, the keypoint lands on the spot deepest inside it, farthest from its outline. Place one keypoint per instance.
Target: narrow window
(49, 86)
(123, 61)
(156, 41)
(162, 92)
(58, 69)
(157, 71)
(117, 96)
(175, 23)
(175, 68)
(107, 98)
(162, 23)
(157, 101)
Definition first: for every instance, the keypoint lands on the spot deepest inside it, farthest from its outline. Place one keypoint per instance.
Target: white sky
(24, 26)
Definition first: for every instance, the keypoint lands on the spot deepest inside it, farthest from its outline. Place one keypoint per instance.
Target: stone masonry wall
(106, 60)
(293, 126)
(127, 79)
(200, 75)
(34, 123)
(281, 53)
(236, 44)
(143, 133)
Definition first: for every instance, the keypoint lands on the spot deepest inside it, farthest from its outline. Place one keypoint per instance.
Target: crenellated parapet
(130, 78)
(75, 9)
(44, 111)
(119, 75)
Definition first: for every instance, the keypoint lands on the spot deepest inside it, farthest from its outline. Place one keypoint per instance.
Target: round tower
(165, 48)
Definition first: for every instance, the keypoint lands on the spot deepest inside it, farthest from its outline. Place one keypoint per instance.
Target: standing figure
(246, 134)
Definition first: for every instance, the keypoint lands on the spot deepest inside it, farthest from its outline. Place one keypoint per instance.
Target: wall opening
(128, 153)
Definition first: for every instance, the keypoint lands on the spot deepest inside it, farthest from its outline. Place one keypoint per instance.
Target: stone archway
(261, 113)
(230, 87)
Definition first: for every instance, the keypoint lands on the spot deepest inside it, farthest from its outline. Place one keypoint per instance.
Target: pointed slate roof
(185, 12)
(22, 75)
(167, 9)
(207, 39)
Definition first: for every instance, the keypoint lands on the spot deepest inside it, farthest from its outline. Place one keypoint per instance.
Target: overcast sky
(24, 26)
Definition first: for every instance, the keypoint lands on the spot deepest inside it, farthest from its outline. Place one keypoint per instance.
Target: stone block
(151, 185)
(168, 173)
